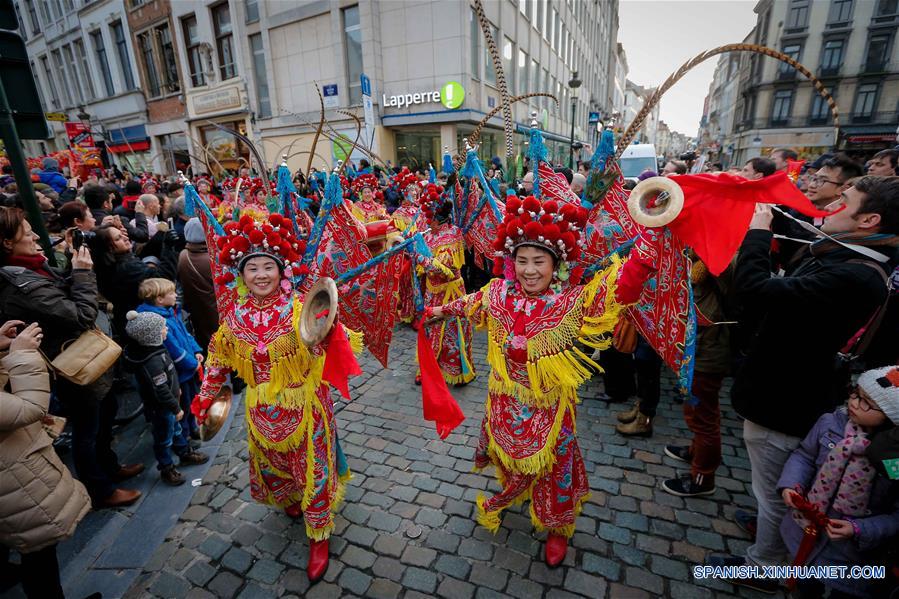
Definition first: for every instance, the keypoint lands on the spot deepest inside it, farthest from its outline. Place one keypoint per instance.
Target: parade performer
(367, 208)
(291, 431)
(450, 339)
(204, 189)
(407, 184)
(535, 314)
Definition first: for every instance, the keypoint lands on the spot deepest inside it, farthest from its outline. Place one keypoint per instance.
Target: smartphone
(77, 239)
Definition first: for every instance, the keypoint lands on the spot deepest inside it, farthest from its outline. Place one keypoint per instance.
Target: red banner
(84, 151)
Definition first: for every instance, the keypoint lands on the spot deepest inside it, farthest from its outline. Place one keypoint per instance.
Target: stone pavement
(407, 527)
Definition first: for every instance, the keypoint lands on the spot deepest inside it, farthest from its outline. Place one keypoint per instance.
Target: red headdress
(146, 183)
(548, 225)
(363, 181)
(432, 200)
(248, 238)
(404, 179)
(205, 180)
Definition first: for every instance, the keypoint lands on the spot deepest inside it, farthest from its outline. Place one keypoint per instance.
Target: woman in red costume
(367, 208)
(408, 185)
(450, 339)
(535, 315)
(290, 417)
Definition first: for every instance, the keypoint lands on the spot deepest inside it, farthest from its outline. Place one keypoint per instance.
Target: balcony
(824, 72)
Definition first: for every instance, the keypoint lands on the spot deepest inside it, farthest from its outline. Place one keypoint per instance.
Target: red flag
(718, 208)
(340, 363)
(437, 402)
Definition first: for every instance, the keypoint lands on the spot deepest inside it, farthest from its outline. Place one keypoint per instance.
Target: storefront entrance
(222, 150)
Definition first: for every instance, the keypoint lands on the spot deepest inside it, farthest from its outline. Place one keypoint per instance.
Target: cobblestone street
(407, 527)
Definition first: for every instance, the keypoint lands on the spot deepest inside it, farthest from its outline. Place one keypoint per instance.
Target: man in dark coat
(788, 378)
(195, 274)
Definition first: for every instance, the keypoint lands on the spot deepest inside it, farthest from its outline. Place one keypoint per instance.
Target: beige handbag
(87, 358)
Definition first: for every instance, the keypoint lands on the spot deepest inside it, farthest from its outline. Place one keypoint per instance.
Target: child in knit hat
(158, 383)
(834, 488)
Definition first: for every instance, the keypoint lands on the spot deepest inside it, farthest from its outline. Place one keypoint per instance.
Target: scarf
(845, 478)
(825, 246)
(36, 263)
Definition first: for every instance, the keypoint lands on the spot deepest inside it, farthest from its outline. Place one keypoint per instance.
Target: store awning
(128, 139)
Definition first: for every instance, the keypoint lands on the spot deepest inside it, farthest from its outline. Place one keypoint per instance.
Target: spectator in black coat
(788, 378)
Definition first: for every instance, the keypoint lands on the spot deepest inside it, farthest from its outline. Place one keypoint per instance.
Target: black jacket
(136, 226)
(789, 377)
(156, 377)
(63, 307)
(120, 279)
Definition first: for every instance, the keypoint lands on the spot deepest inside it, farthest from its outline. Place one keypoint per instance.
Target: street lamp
(84, 117)
(573, 85)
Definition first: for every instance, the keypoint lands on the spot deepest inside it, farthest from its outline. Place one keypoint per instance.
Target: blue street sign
(594, 117)
(366, 84)
(329, 90)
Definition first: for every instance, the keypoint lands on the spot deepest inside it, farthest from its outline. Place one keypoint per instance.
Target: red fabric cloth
(37, 263)
(340, 363)
(718, 208)
(437, 402)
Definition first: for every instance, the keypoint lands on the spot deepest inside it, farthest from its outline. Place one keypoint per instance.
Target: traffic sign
(330, 93)
(594, 117)
(366, 84)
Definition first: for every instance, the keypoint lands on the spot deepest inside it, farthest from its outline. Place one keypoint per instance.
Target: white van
(638, 158)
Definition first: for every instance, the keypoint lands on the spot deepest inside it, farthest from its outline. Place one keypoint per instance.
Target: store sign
(59, 117)
(451, 95)
(84, 150)
(330, 95)
(221, 99)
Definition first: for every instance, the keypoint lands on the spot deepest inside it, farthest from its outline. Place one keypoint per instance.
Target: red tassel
(437, 403)
(340, 363)
(809, 539)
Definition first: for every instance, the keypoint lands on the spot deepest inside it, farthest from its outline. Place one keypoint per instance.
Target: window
(32, 16)
(145, 44)
(797, 17)
(474, 30)
(221, 19)
(820, 110)
(45, 12)
(102, 61)
(69, 5)
(523, 7)
(840, 11)
(887, 7)
(508, 65)
(260, 75)
(783, 104)
(534, 11)
(522, 72)
(352, 34)
(534, 79)
(48, 74)
(252, 8)
(21, 23)
(865, 100)
(489, 70)
(876, 57)
(194, 58)
(84, 71)
(169, 63)
(541, 21)
(118, 33)
(552, 28)
(72, 71)
(136, 3)
(832, 56)
(557, 28)
(793, 51)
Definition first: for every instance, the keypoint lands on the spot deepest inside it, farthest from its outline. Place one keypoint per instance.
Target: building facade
(851, 46)
(81, 58)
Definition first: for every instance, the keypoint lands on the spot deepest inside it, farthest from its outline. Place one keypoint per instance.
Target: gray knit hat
(193, 231)
(145, 327)
(882, 386)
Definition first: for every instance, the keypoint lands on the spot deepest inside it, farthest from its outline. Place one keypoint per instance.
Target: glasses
(817, 180)
(863, 404)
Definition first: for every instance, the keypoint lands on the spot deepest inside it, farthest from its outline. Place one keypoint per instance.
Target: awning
(136, 146)
(128, 139)
(867, 139)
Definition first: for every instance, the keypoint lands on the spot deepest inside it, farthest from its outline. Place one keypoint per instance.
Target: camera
(80, 237)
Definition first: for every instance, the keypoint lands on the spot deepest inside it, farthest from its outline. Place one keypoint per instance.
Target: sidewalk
(407, 527)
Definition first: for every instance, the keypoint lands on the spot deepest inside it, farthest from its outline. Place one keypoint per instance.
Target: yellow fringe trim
(556, 367)
(539, 463)
(489, 520)
(356, 340)
(290, 360)
(564, 531)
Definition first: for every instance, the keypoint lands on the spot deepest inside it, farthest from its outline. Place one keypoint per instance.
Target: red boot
(294, 511)
(318, 560)
(556, 548)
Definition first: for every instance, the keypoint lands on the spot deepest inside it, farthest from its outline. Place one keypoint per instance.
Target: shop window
(352, 39)
(224, 147)
(174, 152)
(417, 150)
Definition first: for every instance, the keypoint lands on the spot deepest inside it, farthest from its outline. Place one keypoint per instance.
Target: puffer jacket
(40, 502)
